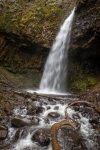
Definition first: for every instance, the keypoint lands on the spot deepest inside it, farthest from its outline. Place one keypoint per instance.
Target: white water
(55, 71)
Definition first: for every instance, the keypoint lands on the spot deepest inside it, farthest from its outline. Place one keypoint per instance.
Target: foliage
(81, 80)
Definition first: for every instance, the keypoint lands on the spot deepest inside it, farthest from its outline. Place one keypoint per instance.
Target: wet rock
(54, 115)
(28, 101)
(22, 107)
(23, 93)
(8, 108)
(75, 116)
(41, 137)
(56, 108)
(28, 148)
(95, 118)
(20, 122)
(3, 134)
(34, 97)
(39, 107)
(21, 133)
(76, 108)
(3, 127)
(70, 139)
(31, 110)
(35, 120)
(48, 107)
(34, 108)
(3, 131)
(4, 145)
(96, 125)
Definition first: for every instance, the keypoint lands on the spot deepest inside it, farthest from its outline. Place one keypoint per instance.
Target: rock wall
(84, 53)
(21, 56)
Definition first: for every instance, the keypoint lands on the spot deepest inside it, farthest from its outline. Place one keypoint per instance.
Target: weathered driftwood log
(84, 102)
(81, 102)
(54, 130)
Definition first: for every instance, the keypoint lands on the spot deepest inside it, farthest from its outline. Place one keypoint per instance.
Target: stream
(51, 111)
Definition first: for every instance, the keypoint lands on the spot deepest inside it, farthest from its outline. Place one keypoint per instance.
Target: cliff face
(86, 29)
(28, 28)
(84, 53)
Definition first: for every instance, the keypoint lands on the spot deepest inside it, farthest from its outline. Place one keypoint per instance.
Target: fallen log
(55, 127)
(84, 102)
(81, 102)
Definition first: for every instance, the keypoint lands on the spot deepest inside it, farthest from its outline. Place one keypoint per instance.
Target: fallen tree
(56, 127)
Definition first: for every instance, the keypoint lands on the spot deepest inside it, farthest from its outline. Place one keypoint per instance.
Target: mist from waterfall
(55, 70)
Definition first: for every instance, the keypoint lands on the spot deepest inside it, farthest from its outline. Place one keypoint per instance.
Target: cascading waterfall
(55, 71)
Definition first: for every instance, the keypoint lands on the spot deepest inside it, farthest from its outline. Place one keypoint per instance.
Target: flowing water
(55, 71)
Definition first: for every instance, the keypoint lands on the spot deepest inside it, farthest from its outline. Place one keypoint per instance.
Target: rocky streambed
(59, 122)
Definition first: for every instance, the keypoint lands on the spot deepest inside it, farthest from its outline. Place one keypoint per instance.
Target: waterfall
(55, 70)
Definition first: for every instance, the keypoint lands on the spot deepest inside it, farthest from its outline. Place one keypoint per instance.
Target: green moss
(91, 81)
(81, 80)
(30, 17)
(79, 86)
(83, 85)
(26, 80)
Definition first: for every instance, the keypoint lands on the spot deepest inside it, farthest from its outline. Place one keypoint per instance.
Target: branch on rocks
(54, 130)
(81, 102)
(84, 102)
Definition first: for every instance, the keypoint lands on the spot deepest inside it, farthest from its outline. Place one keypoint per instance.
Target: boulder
(70, 139)
(21, 133)
(96, 126)
(34, 108)
(56, 108)
(54, 115)
(31, 109)
(41, 137)
(3, 131)
(34, 97)
(20, 122)
(35, 120)
(7, 108)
